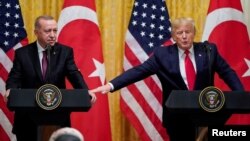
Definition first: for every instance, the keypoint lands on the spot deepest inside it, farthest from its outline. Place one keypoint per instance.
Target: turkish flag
(225, 27)
(78, 28)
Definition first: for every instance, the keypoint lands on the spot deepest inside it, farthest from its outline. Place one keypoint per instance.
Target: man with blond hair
(185, 65)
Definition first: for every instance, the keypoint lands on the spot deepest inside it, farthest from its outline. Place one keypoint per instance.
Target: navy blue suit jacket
(165, 64)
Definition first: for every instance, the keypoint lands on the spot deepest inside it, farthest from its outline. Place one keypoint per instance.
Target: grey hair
(44, 17)
(66, 131)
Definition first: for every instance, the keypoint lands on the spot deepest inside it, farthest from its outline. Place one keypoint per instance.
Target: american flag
(12, 36)
(141, 102)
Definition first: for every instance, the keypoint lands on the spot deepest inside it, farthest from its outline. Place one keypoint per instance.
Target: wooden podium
(24, 100)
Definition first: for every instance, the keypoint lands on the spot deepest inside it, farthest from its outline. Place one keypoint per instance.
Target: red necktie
(44, 64)
(190, 72)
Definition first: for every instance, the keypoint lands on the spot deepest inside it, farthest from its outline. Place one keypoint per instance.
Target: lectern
(72, 100)
(188, 102)
(24, 100)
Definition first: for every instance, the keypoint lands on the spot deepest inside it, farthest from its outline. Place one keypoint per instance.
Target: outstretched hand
(102, 89)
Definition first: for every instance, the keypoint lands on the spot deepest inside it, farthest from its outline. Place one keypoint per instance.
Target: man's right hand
(102, 89)
(6, 95)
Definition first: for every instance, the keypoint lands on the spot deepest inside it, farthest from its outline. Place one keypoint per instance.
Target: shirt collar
(39, 47)
(181, 51)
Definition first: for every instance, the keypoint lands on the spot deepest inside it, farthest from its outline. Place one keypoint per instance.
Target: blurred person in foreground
(168, 63)
(28, 73)
(66, 134)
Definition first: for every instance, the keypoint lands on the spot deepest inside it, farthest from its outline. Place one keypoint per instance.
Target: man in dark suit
(168, 63)
(27, 72)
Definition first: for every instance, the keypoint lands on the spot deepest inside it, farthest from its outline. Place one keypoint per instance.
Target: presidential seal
(211, 99)
(48, 97)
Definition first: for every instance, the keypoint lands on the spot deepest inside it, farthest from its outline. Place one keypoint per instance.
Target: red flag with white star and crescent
(78, 28)
(225, 26)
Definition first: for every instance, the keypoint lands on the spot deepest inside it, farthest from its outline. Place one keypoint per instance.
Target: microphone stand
(48, 48)
(208, 49)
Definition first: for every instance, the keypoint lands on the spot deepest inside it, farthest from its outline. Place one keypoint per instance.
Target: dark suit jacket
(165, 64)
(26, 72)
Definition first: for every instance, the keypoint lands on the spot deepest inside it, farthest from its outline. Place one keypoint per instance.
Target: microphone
(207, 46)
(208, 50)
(48, 47)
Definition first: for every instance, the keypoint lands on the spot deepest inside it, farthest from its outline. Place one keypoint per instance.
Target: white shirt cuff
(111, 85)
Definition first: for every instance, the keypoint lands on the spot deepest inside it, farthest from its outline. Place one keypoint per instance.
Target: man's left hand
(93, 97)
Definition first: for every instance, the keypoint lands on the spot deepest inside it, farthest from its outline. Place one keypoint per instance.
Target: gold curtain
(113, 16)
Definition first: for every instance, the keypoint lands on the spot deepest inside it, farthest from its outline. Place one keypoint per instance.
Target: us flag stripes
(148, 29)
(12, 36)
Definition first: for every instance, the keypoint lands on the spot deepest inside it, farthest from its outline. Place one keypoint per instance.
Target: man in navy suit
(27, 69)
(168, 63)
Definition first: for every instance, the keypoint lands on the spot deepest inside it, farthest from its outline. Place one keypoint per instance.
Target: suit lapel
(53, 57)
(35, 60)
(179, 78)
(199, 59)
